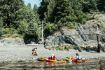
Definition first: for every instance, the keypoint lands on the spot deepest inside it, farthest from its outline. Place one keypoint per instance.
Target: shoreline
(95, 64)
(25, 53)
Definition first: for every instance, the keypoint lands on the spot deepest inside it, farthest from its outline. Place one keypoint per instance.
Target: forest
(22, 20)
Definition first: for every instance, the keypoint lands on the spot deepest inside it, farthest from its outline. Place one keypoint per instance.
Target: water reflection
(45, 66)
(27, 66)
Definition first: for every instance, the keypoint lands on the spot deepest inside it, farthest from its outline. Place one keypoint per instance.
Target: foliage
(25, 13)
(16, 17)
(23, 27)
(50, 29)
(29, 5)
(9, 31)
(101, 5)
(1, 26)
(89, 5)
(8, 10)
(62, 12)
(71, 25)
(31, 35)
(42, 9)
(35, 8)
(68, 12)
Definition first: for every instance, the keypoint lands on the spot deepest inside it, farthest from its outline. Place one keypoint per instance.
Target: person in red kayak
(53, 57)
(75, 60)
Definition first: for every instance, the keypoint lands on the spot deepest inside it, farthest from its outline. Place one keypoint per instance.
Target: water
(21, 65)
(30, 66)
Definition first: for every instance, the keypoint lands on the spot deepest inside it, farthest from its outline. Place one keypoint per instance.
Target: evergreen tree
(1, 26)
(8, 10)
(89, 5)
(101, 5)
(50, 7)
(25, 13)
(29, 5)
(42, 10)
(61, 10)
(31, 33)
(23, 26)
(35, 8)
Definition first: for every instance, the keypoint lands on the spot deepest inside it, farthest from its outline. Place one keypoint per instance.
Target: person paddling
(34, 51)
(53, 57)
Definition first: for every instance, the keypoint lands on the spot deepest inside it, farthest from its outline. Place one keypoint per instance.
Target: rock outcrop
(9, 42)
(84, 35)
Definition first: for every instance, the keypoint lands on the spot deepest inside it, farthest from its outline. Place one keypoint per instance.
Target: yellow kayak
(41, 59)
(61, 61)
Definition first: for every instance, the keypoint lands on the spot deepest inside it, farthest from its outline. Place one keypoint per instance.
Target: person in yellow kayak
(34, 51)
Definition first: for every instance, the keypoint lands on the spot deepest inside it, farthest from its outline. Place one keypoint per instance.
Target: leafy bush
(22, 27)
(71, 25)
(31, 34)
(9, 31)
(50, 29)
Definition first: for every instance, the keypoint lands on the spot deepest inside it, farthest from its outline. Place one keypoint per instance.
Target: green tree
(23, 26)
(1, 26)
(60, 10)
(50, 29)
(89, 5)
(101, 5)
(29, 5)
(31, 33)
(9, 9)
(35, 8)
(25, 13)
(42, 9)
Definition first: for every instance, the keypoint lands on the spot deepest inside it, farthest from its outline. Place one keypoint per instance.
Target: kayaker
(49, 58)
(77, 56)
(53, 57)
(34, 51)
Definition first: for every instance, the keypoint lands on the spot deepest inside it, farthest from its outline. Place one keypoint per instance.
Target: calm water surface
(30, 66)
(42, 66)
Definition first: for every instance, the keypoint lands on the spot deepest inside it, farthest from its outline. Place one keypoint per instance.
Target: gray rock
(83, 35)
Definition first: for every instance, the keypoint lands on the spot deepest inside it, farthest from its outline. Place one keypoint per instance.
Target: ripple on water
(22, 65)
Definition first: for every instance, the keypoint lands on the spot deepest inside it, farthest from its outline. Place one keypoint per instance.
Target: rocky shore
(15, 53)
(25, 53)
(20, 57)
(12, 51)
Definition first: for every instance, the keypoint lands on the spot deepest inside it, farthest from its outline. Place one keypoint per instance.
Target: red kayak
(51, 61)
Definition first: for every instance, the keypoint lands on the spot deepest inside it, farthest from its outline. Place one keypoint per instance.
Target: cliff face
(84, 35)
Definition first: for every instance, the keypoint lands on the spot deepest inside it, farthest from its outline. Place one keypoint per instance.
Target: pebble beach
(25, 53)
